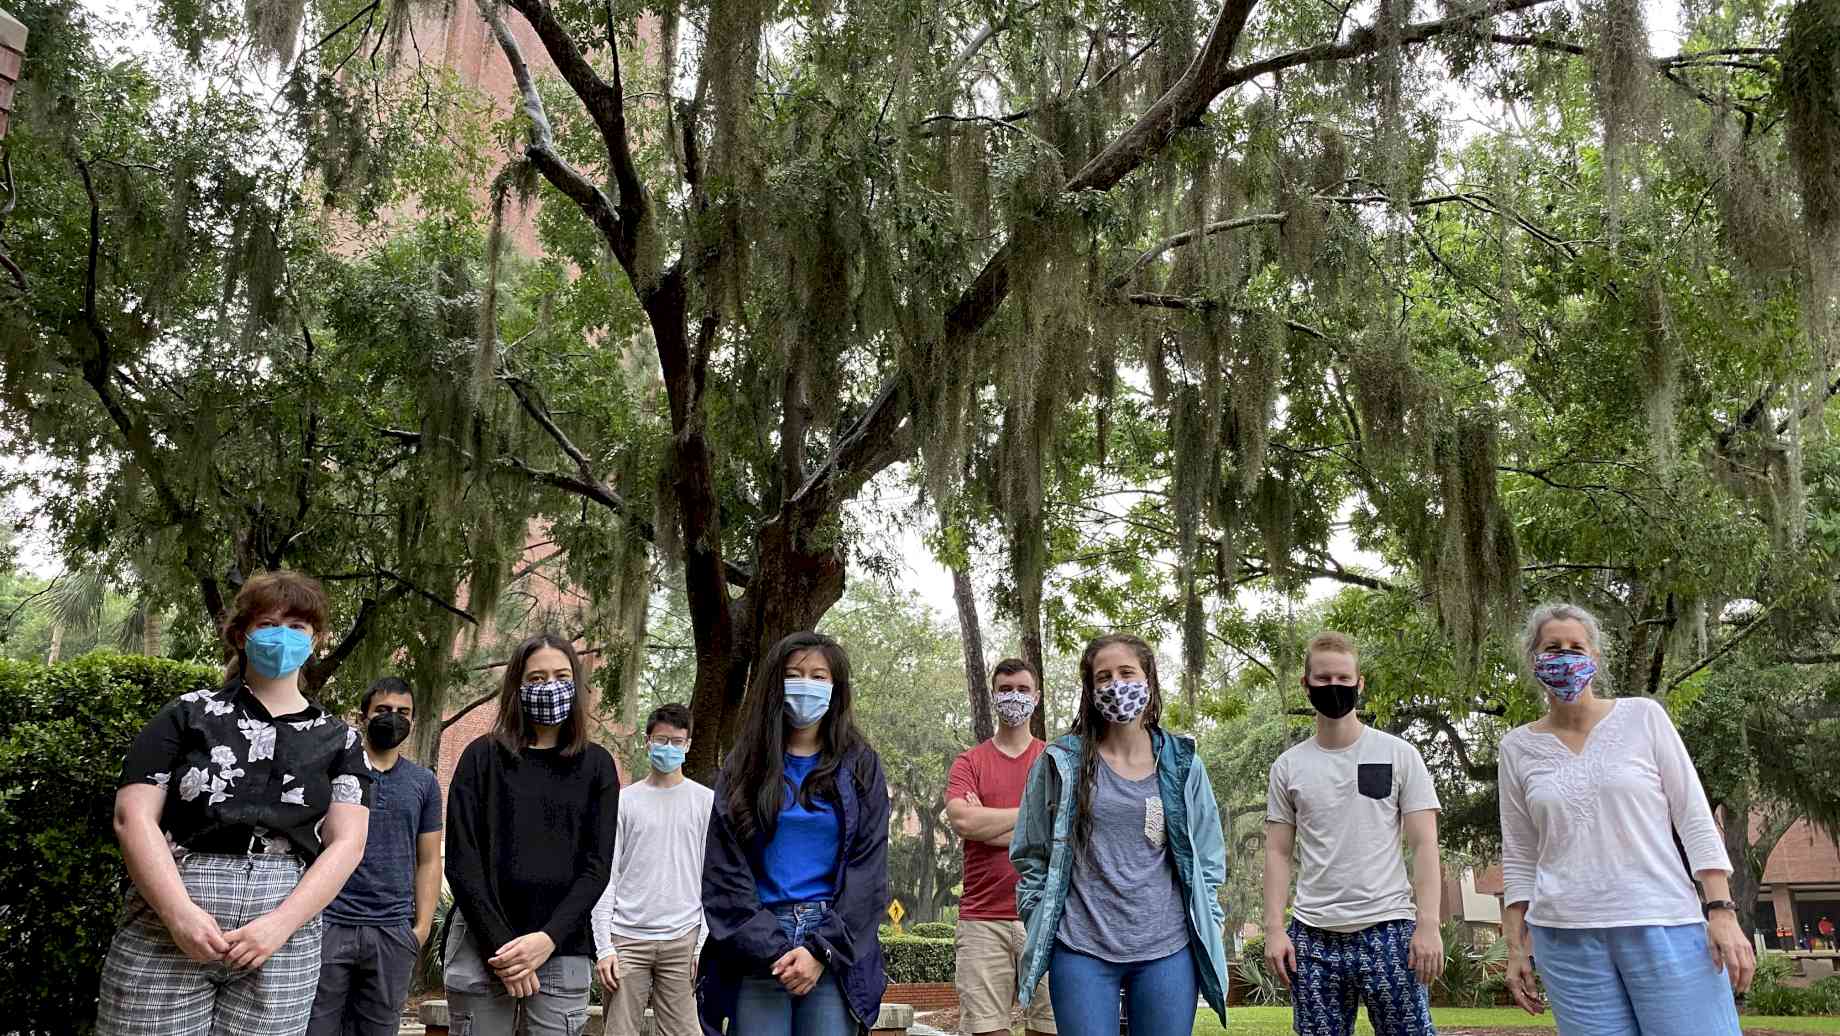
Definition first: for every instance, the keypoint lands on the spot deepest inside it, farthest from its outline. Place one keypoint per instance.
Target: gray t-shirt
(1349, 809)
(1124, 904)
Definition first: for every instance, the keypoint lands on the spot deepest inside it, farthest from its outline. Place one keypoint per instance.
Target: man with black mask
(376, 927)
(1343, 798)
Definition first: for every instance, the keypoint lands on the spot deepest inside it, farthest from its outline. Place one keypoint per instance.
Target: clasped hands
(517, 961)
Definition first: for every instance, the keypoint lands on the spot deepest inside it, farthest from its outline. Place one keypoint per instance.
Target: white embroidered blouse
(1587, 838)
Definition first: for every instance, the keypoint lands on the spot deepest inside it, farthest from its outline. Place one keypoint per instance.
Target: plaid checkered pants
(151, 988)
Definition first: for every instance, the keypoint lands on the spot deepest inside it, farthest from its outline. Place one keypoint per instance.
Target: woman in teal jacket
(1120, 854)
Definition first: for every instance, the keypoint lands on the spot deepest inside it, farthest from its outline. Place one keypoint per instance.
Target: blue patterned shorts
(1338, 972)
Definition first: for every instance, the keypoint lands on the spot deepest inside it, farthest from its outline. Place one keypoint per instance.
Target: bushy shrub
(912, 959)
(1782, 1000)
(933, 930)
(1472, 975)
(64, 730)
(1773, 968)
(1262, 987)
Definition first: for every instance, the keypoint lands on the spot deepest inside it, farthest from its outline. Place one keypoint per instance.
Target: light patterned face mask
(1564, 673)
(1013, 707)
(1122, 701)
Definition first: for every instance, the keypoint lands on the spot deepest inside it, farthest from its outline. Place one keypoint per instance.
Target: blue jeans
(1337, 972)
(1160, 994)
(1651, 980)
(764, 1008)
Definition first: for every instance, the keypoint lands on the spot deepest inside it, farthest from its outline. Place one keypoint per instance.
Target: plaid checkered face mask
(549, 702)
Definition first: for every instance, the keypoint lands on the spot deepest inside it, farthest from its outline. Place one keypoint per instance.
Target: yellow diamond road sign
(895, 912)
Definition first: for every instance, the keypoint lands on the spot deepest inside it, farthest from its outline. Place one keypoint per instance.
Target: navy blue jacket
(745, 938)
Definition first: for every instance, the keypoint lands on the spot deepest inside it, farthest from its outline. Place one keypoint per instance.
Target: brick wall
(12, 59)
(1804, 855)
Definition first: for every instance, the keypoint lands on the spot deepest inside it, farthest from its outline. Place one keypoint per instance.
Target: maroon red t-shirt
(998, 781)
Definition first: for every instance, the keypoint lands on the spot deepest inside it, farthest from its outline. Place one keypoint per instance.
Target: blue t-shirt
(801, 860)
(405, 804)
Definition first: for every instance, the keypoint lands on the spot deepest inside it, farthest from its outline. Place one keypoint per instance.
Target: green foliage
(933, 930)
(68, 727)
(1472, 974)
(912, 959)
(1771, 994)
(1262, 987)
(431, 963)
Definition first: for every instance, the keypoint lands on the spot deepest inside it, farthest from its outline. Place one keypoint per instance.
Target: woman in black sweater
(530, 828)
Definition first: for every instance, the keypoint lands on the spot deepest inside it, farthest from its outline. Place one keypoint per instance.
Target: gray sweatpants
(478, 1005)
(151, 988)
(364, 977)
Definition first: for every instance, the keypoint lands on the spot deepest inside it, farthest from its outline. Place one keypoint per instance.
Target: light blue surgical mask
(807, 700)
(666, 758)
(275, 651)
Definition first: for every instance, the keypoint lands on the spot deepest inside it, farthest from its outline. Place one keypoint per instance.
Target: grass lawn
(1276, 1021)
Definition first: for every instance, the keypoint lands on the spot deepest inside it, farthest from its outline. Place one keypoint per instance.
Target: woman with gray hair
(1591, 797)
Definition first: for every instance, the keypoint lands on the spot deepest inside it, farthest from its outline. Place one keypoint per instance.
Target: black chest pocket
(1375, 780)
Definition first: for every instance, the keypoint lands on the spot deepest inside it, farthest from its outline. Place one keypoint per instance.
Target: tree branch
(321, 669)
(541, 150)
(606, 105)
(1187, 236)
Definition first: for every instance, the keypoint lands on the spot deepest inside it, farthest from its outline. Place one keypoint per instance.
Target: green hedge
(914, 959)
(934, 930)
(63, 732)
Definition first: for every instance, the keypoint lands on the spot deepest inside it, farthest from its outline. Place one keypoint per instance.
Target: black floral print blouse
(239, 780)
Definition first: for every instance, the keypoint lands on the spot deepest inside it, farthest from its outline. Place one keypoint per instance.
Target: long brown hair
(513, 730)
(1092, 726)
(755, 774)
(295, 595)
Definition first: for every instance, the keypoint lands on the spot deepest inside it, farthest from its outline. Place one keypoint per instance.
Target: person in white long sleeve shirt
(1597, 897)
(648, 925)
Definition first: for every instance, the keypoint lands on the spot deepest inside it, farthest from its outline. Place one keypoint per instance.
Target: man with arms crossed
(376, 927)
(1344, 797)
(648, 925)
(982, 794)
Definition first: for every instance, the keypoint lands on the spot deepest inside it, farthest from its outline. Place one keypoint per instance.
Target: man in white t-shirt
(1343, 799)
(648, 925)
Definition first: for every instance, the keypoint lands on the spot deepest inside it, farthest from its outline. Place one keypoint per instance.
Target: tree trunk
(1751, 855)
(971, 635)
(793, 585)
(153, 629)
(57, 643)
(929, 874)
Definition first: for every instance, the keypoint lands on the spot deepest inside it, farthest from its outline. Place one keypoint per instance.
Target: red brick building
(1801, 883)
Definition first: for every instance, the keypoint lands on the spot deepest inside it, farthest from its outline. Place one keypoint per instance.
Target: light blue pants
(1644, 981)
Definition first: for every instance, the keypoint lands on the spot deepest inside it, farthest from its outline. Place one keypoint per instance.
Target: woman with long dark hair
(530, 830)
(795, 877)
(1119, 851)
(241, 812)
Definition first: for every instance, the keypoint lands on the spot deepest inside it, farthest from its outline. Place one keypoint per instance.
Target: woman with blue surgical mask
(795, 877)
(242, 811)
(1597, 899)
(531, 822)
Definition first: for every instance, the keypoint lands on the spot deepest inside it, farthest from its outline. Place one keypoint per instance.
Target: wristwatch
(1720, 904)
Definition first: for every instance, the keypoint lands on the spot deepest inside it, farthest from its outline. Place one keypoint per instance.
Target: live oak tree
(1260, 271)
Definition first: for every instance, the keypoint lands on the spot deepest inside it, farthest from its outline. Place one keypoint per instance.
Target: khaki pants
(656, 974)
(989, 957)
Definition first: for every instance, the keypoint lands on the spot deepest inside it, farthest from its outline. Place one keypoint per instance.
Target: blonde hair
(1331, 641)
